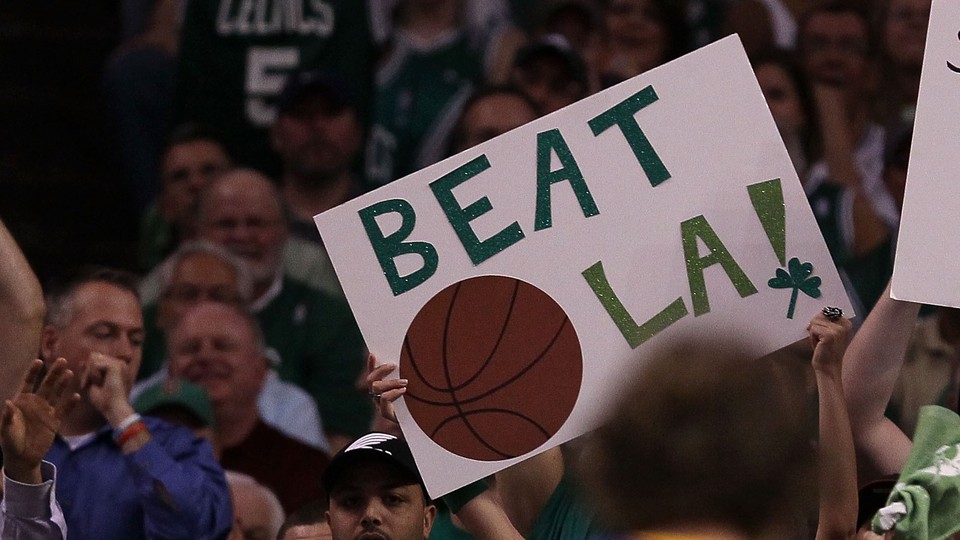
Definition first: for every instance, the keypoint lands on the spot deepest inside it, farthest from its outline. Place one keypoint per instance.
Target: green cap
(176, 393)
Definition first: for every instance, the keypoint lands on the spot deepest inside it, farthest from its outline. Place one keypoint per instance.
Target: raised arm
(839, 145)
(28, 425)
(871, 366)
(21, 315)
(836, 455)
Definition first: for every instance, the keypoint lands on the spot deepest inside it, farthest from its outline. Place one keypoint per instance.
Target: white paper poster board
(927, 267)
(664, 206)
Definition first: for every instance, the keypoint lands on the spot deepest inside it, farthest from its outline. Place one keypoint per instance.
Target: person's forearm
(30, 510)
(871, 367)
(484, 519)
(873, 360)
(21, 315)
(836, 461)
(839, 144)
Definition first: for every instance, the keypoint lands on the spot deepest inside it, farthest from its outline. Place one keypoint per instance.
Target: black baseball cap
(381, 447)
(554, 46)
(316, 83)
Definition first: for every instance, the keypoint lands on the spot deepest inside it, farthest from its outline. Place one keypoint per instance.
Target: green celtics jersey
(420, 90)
(236, 55)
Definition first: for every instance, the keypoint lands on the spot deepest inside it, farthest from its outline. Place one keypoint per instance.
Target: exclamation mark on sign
(767, 200)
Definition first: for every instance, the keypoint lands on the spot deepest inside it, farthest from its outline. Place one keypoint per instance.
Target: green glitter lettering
(460, 218)
(570, 172)
(767, 200)
(621, 115)
(635, 334)
(698, 227)
(387, 248)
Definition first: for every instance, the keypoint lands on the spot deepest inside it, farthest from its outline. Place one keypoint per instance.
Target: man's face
(376, 501)
(782, 96)
(638, 26)
(104, 319)
(834, 48)
(317, 141)
(186, 169)
(214, 347)
(493, 116)
(198, 277)
(548, 83)
(905, 31)
(242, 214)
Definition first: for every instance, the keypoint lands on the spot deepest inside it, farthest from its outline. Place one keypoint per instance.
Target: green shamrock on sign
(798, 279)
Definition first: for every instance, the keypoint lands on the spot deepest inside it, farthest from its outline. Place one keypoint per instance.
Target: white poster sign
(927, 268)
(518, 282)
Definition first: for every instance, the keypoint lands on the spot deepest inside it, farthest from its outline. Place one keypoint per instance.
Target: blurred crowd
(239, 120)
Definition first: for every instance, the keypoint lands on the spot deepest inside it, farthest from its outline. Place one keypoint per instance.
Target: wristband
(457, 499)
(131, 432)
(124, 424)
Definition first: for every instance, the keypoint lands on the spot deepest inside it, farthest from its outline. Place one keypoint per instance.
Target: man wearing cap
(318, 136)
(375, 489)
(551, 72)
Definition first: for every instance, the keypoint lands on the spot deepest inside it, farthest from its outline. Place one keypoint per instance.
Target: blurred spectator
(314, 333)
(182, 403)
(319, 137)
(257, 514)
(705, 20)
(639, 36)
(195, 155)
(930, 374)
(855, 211)
(903, 36)
(220, 348)
(765, 24)
(551, 73)
(157, 479)
(235, 58)
(492, 112)
(578, 21)
(308, 522)
(138, 85)
(791, 105)
(434, 60)
(200, 271)
(708, 441)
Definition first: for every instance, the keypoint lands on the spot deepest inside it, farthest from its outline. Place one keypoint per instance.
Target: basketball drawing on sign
(494, 367)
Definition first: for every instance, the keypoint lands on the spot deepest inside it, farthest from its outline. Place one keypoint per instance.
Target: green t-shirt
(564, 517)
(235, 56)
(419, 94)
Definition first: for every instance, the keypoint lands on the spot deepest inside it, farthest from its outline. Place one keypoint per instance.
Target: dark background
(61, 193)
